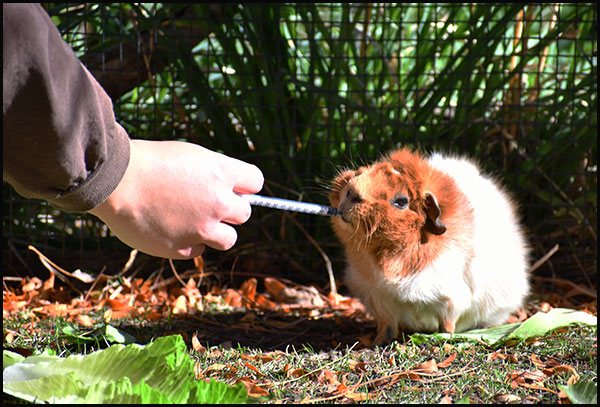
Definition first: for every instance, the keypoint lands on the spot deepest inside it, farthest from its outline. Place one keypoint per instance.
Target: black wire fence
(302, 90)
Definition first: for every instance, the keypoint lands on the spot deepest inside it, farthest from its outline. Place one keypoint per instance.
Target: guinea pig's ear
(433, 224)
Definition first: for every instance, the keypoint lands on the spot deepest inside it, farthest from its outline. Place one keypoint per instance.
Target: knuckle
(220, 206)
(205, 230)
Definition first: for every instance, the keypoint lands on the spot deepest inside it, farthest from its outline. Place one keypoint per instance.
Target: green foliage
(104, 334)
(299, 89)
(160, 372)
(540, 324)
(582, 393)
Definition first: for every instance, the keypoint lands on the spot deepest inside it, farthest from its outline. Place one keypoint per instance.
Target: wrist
(113, 203)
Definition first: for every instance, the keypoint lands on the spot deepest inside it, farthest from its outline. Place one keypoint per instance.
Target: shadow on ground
(268, 331)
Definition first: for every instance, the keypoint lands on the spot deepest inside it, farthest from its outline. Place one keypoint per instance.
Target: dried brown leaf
(180, 305)
(358, 367)
(325, 376)
(233, 298)
(199, 263)
(574, 378)
(357, 396)
(506, 398)
(537, 361)
(84, 320)
(196, 345)
(533, 379)
(9, 337)
(448, 361)
(215, 369)
(264, 302)
(409, 374)
(31, 285)
(248, 289)
(274, 286)
(550, 371)
(252, 389)
(428, 367)
(296, 372)
(253, 368)
(49, 284)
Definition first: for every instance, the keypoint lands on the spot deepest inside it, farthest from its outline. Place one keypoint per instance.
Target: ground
(289, 342)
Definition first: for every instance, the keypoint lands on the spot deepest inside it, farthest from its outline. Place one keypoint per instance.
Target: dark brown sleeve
(60, 141)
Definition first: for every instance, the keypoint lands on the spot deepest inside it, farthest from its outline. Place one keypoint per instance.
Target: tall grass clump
(302, 89)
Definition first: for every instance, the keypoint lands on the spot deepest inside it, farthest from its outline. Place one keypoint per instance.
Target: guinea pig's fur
(432, 245)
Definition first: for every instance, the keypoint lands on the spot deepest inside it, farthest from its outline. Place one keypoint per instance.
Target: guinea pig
(431, 243)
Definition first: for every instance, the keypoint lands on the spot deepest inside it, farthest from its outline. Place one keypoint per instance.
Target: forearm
(60, 139)
(61, 143)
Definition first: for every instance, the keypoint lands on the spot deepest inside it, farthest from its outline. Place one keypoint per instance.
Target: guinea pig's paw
(385, 334)
(449, 325)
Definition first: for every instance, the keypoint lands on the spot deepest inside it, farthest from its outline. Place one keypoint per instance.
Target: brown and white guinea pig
(432, 245)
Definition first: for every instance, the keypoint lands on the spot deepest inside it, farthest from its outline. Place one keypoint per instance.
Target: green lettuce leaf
(539, 325)
(160, 372)
(105, 334)
(582, 393)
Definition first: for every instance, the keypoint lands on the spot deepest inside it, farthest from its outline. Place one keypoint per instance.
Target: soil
(266, 330)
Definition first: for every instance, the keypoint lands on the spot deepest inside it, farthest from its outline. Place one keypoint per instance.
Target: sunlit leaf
(159, 372)
(538, 325)
(582, 393)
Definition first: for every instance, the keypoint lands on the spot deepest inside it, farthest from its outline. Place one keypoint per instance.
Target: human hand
(177, 197)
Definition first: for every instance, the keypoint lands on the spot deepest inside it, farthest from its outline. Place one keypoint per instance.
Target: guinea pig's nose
(349, 199)
(352, 197)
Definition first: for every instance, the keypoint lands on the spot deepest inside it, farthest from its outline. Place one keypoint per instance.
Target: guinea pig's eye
(400, 201)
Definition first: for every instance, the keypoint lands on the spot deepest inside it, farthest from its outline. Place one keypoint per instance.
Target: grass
(300, 89)
(470, 377)
(398, 373)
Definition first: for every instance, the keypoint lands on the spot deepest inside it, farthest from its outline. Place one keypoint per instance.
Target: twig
(13, 249)
(168, 281)
(579, 214)
(94, 284)
(541, 261)
(157, 277)
(560, 281)
(116, 293)
(12, 278)
(129, 263)
(233, 267)
(583, 271)
(333, 288)
(393, 379)
(175, 272)
(54, 268)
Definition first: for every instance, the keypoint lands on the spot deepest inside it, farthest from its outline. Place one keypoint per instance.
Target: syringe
(296, 206)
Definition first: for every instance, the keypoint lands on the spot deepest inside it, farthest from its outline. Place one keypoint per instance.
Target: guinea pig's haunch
(431, 244)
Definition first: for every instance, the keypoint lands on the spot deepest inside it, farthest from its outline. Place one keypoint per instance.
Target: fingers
(236, 211)
(249, 178)
(228, 208)
(218, 235)
(221, 237)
